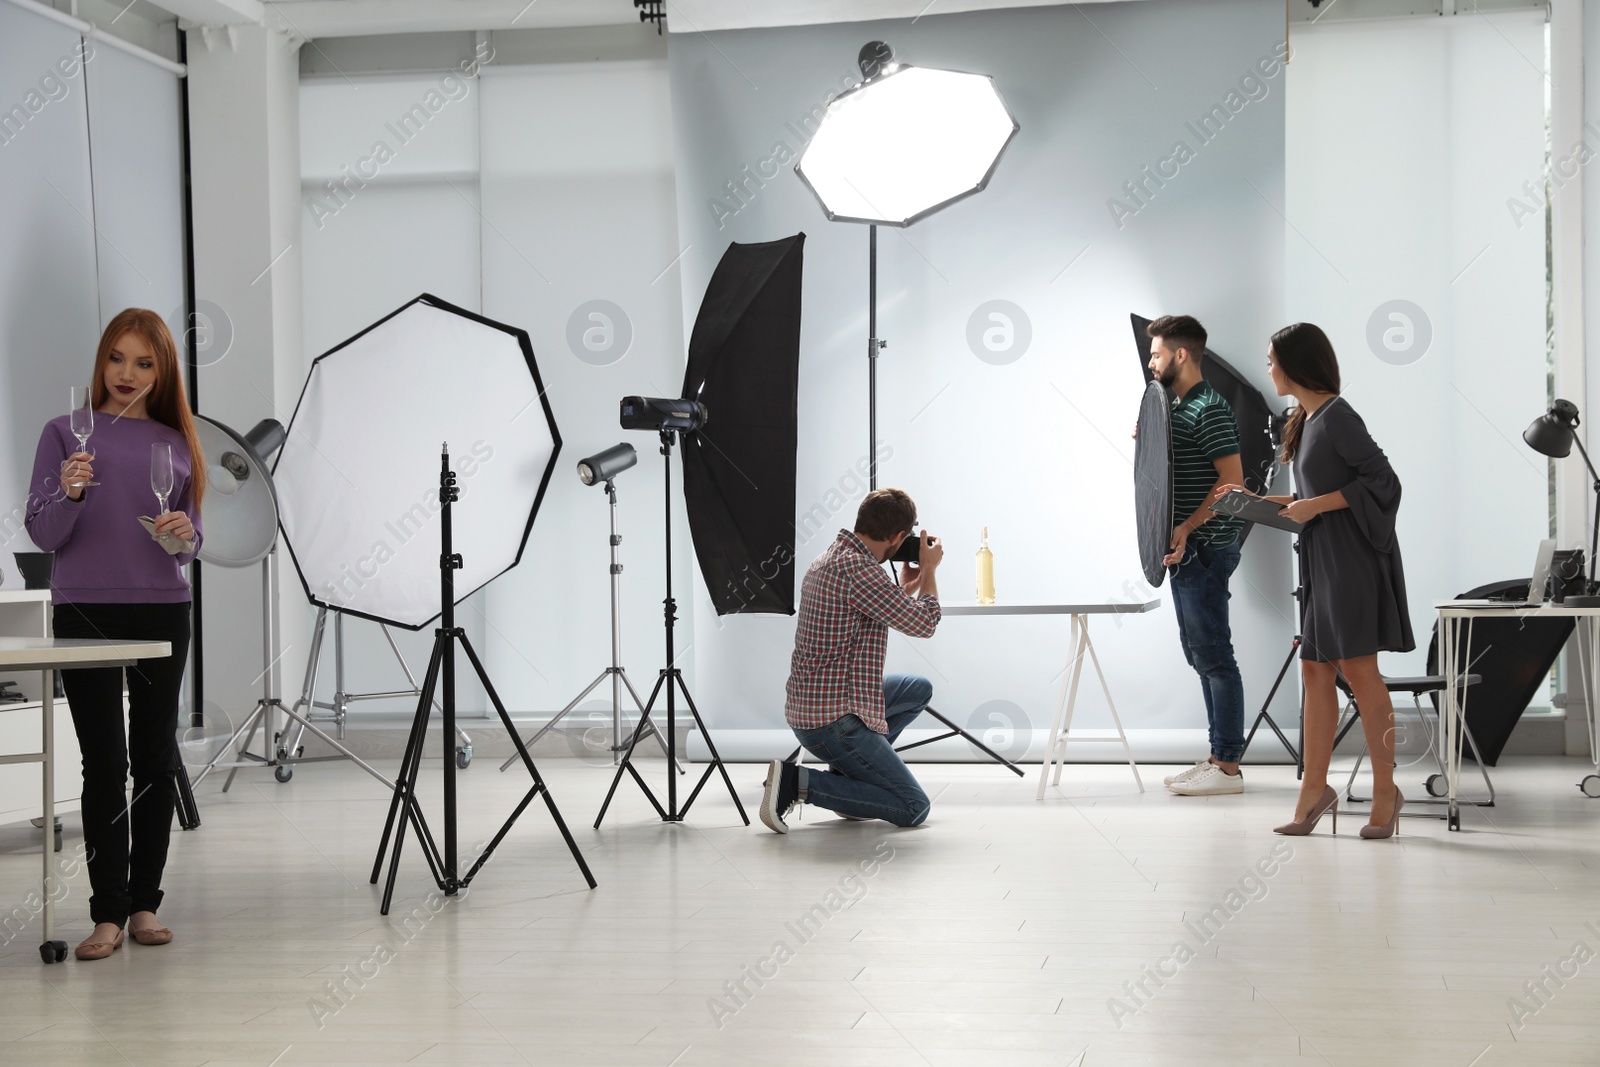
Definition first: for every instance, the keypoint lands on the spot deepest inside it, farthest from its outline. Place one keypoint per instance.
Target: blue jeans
(1200, 595)
(871, 780)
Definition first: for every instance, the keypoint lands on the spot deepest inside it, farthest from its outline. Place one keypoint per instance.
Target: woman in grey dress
(1348, 496)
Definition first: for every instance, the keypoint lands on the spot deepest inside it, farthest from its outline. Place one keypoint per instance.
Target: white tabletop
(1109, 607)
(1509, 609)
(40, 653)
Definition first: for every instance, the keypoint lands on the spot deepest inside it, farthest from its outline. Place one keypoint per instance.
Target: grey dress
(1350, 559)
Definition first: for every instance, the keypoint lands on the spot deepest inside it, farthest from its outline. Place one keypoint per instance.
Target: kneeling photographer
(840, 705)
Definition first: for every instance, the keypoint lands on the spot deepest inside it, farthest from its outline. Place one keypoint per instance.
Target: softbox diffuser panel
(358, 475)
(1250, 409)
(1152, 482)
(739, 469)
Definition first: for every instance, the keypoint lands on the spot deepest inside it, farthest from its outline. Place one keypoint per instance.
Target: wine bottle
(985, 571)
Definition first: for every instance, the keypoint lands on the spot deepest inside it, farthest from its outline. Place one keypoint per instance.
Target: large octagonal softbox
(358, 475)
(1250, 409)
(739, 469)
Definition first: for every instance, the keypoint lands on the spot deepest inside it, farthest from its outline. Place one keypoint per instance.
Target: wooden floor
(1098, 927)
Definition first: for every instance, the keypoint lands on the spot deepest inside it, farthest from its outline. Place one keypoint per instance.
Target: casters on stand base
(53, 951)
(1435, 785)
(464, 756)
(283, 774)
(1590, 786)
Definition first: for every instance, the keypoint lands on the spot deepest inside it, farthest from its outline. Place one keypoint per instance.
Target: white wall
(49, 297)
(1407, 143)
(90, 174)
(244, 161)
(369, 248)
(578, 188)
(1038, 449)
(538, 189)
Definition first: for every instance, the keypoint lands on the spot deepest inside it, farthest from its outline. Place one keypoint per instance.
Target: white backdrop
(1408, 140)
(529, 196)
(1032, 441)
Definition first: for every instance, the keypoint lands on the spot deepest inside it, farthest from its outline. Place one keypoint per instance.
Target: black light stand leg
(410, 809)
(627, 760)
(419, 727)
(670, 680)
(1265, 714)
(405, 807)
(716, 760)
(188, 810)
(956, 731)
(527, 761)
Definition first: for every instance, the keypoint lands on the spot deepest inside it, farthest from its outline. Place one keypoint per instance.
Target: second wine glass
(161, 472)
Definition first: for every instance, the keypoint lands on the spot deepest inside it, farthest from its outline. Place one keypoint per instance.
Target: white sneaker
(1199, 766)
(1209, 782)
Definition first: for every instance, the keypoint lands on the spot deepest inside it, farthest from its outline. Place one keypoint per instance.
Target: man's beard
(1169, 374)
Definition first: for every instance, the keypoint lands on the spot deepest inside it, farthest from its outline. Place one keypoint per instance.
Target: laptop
(1541, 572)
(1537, 586)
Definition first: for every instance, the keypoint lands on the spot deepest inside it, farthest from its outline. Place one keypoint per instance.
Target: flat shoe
(155, 935)
(99, 950)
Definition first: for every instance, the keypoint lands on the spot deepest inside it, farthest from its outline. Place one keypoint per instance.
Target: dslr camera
(910, 549)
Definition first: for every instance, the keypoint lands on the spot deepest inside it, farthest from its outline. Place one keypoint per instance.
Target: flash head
(604, 466)
(662, 413)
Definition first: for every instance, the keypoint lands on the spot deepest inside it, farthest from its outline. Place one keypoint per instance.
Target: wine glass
(161, 472)
(82, 423)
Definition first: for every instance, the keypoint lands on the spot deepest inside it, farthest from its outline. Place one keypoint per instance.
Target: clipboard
(1253, 509)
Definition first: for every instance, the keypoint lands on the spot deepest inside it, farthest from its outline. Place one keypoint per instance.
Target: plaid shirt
(847, 604)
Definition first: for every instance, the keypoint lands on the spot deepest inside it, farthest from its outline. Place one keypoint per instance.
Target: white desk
(50, 654)
(1066, 702)
(1458, 615)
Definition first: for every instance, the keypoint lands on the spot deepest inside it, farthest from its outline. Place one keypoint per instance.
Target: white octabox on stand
(1079, 646)
(241, 531)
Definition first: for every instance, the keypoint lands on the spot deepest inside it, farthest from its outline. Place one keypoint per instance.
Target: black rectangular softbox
(739, 469)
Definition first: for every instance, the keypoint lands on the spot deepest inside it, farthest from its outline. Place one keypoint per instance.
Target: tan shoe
(91, 949)
(150, 935)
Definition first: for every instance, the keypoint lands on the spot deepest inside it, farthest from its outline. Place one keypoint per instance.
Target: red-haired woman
(113, 580)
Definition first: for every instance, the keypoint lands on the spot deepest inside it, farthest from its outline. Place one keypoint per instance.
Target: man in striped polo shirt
(1205, 546)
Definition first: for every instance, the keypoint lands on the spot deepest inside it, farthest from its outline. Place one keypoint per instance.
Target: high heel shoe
(1392, 827)
(1328, 802)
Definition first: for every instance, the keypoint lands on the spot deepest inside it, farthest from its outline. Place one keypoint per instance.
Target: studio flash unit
(604, 466)
(662, 413)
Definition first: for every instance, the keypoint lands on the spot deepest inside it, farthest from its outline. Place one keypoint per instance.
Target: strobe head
(604, 466)
(663, 413)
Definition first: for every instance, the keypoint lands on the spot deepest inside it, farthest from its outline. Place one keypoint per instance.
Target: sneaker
(781, 793)
(1199, 766)
(1210, 782)
(852, 818)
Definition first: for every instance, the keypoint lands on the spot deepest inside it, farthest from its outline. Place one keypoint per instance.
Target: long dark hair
(1305, 355)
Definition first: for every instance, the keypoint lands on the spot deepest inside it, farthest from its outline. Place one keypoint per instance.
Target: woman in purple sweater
(113, 580)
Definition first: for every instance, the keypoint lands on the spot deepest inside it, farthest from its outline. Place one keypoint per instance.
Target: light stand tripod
(671, 680)
(261, 717)
(1301, 595)
(289, 754)
(443, 865)
(618, 676)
